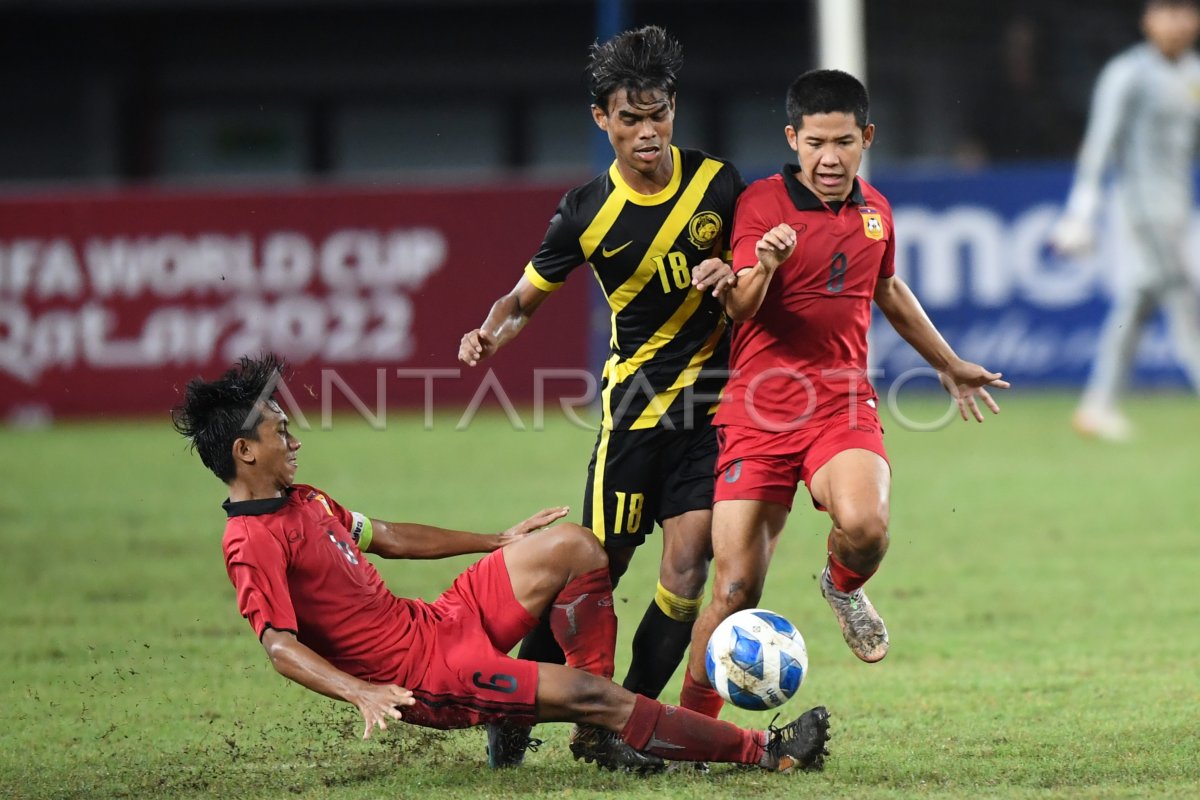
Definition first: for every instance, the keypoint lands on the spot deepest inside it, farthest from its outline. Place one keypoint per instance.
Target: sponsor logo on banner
(110, 303)
(1002, 297)
(341, 298)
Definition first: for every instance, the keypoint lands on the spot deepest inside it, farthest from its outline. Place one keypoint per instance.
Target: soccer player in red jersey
(297, 560)
(813, 246)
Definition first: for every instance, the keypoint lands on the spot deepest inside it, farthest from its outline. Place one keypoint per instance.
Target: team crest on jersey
(703, 229)
(872, 223)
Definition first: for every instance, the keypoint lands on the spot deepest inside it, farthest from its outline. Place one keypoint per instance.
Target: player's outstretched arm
(964, 380)
(376, 702)
(411, 540)
(743, 299)
(505, 320)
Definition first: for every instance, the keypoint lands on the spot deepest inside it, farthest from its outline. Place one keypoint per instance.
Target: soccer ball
(756, 659)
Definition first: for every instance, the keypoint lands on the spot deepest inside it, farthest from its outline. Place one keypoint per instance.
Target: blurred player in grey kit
(1143, 123)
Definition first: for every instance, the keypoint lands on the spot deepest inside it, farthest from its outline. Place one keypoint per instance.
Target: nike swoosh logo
(604, 251)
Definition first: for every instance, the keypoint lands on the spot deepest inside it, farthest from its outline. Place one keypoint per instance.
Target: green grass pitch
(1040, 592)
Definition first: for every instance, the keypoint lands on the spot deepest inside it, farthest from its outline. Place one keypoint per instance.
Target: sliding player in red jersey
(298, 561)
(812, 247)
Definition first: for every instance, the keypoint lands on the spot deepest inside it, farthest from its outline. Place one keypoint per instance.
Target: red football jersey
(803, 355)
(296, 568)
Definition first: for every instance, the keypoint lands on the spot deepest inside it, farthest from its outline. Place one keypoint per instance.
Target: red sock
(699, 698)
(584, 624)
(843, 578)
(683, 735)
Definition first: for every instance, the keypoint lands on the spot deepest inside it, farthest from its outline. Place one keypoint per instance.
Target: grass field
(1040, 591)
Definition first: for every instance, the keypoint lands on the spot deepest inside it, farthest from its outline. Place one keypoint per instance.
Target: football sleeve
(1115, 88)
(256, 562)
(560, 251)
(887, 265)
(749, 225)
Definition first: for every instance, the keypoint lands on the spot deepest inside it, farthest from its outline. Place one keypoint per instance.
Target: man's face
(639, 128)
(830, 149)
(1172, 29)
(273, 455)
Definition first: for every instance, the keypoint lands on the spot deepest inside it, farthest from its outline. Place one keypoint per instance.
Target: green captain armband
(360, 530)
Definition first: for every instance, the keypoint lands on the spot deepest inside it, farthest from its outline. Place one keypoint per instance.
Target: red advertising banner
(110, 302)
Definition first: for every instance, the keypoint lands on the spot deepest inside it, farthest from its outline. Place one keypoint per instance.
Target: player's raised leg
(854, 486)
(565, 570)
(666, 628)
(651, 731)
(744, 535)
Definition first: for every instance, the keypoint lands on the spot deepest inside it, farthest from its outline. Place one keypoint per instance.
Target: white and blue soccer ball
(756, 659)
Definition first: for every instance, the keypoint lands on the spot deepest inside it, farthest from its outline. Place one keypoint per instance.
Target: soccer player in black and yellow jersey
(654, 228)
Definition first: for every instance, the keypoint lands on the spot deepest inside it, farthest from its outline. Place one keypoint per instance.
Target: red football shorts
(471, 680)
(754, 464)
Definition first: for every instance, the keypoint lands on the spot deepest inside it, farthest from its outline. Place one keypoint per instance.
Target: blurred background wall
(412, 91)
(352, 182)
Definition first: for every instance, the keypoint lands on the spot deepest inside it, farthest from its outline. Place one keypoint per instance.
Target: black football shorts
(639, 477)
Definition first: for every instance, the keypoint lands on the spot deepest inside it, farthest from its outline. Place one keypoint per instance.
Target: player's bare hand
(715, 273)
(378, 703)
(475, 347)
(546, 516)
(776, 246)
(967, 382)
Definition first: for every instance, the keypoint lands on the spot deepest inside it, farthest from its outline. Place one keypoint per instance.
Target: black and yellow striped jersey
(670, 342)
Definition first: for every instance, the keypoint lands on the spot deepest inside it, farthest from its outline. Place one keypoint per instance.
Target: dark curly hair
(827, 91)
(215, 414)
(637, 61)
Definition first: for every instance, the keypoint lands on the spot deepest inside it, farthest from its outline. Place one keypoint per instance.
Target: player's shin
(584, 623)
(682, 735)
(660, 642)
(697, 695)
(842, 576)
(700, 698)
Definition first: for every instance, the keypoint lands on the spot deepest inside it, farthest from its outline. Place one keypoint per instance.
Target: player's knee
(684, 575)
(578, 547)
(865, 535)
(736, 593)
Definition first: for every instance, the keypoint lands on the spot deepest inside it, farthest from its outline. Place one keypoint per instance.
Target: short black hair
(827, 91)
(215, 414)
(637, 61)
